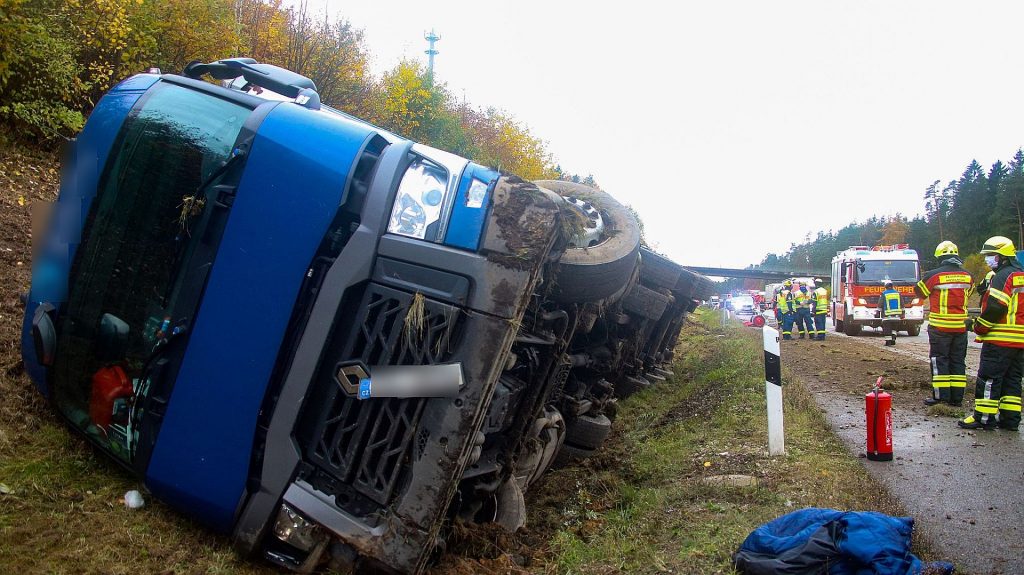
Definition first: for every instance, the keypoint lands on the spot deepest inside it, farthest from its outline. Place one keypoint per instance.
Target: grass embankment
(645, 505)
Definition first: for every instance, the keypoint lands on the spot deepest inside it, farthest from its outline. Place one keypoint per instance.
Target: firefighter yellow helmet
(946, 248)
(999, 245)
(787, 283)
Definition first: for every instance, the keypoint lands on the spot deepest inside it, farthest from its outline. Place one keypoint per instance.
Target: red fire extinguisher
(878, 409)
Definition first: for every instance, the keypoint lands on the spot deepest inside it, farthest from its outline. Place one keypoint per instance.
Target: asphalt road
(914, 346)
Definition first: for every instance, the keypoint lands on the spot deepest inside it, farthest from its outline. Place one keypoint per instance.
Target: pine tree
(1010, 199)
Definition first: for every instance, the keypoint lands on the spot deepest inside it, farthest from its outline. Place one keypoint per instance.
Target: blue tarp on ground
(819, 541)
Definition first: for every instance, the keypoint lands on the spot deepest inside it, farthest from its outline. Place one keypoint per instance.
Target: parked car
(226, 272)
(743, 304)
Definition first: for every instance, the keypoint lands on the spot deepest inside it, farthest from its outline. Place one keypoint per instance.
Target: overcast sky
(735, 128)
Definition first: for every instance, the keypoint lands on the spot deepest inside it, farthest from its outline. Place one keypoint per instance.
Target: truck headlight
(421, 196)
(296, 530)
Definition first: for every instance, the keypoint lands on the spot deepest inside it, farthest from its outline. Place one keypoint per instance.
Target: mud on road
(953, 482)
(914, 346)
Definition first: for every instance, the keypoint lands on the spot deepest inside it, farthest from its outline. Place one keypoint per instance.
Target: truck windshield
(881, 270)
(126, 292)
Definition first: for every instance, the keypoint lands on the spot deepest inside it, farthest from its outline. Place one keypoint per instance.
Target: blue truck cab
(223, 269)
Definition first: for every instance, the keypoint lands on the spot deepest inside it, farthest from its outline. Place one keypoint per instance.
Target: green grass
(643, 507)
(943, 410)
(64, 512)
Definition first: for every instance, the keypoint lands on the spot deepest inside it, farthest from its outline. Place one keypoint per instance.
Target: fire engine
(858, 274)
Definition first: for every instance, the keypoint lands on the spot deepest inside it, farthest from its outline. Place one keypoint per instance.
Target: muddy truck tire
(588, 431)
(629, 385)
(645, 302)
(593, 273)
(569, 453)
(850, 328)
(657, 271)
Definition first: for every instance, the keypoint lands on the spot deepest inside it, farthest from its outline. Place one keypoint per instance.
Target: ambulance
(858, 275)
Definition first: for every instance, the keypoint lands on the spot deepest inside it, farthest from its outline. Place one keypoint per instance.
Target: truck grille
(364, 444)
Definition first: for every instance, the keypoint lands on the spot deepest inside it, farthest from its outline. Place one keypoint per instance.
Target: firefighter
(1001, 327)
(947, 288)
(784, 305)
(778, 301)
(802, 305)
(891, 305)
(820, 300)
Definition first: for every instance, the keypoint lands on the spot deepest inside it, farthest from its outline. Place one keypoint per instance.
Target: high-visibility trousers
(819, 324)
(804, 321)
(948, 353)
(997, 390)
(787, 324)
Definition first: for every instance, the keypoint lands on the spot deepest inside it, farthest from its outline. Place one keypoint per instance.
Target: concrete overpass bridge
(760, 274)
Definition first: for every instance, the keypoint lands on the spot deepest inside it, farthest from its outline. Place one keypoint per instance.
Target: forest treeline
(979, 204)
(58, 57)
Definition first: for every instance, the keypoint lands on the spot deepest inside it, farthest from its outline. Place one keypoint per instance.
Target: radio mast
(432, 38)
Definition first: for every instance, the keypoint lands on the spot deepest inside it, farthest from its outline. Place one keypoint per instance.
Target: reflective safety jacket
(780, 300)
(801, 299)
(947, 288)
(1002, 310)
(820, 301)
(890, 303)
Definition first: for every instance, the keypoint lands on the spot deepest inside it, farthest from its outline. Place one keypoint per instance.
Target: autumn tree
(262, 29)
(895, 231)
(168, 34)
(43, 86)
(402, 101)
(509, 145)
(975, 264)
(329, 51)
(57, 57)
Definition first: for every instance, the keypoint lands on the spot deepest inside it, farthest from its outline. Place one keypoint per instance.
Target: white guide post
(773, 390)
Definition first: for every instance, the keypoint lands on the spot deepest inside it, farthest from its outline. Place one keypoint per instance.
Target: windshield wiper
(201, 193)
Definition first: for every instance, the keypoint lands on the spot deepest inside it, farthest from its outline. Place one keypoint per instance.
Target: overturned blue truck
(228, 264)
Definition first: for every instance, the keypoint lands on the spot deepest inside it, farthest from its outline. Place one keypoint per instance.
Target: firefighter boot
(972, 422)
(1009, 412)
(942, 392)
